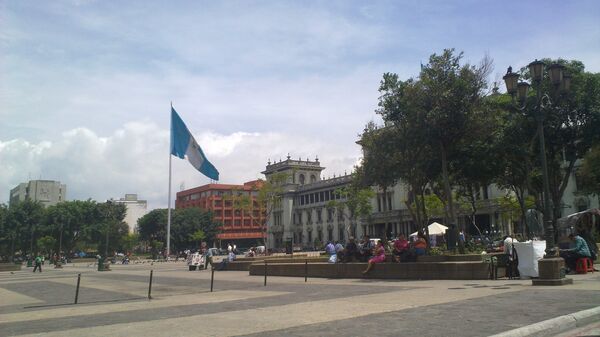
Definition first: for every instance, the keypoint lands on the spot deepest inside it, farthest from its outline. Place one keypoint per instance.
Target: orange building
(245, 228)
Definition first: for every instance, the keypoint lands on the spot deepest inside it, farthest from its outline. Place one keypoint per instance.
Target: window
(319, 215)
(313, 178)
(237, 222)
(309, 216)
(301, 178)
(341, 233)
(309, 237)
(329, 234)
(330, 214)
(195, 196)
(312, 198)
(389, 201)
(322, 196)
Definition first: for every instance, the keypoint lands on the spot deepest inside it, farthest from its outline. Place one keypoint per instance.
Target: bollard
(212, 278)
(150, 286)
(77, 290)
(306, 270)
(265, 273)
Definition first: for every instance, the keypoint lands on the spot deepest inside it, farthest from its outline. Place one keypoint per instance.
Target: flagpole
(169, 201)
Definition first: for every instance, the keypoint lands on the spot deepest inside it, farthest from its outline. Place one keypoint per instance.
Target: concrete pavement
(115, 304)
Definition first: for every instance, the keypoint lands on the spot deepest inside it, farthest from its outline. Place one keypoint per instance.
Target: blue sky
(85, 86)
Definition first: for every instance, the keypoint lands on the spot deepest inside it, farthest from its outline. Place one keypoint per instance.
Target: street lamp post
(561, 81)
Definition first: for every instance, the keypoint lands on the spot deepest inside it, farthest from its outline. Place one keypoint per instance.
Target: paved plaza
(115, 303)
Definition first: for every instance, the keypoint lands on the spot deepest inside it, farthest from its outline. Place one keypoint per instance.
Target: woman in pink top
(378, 256)
(400, 248)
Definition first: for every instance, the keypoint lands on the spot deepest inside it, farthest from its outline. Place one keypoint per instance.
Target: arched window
(301, 178)
(313, 179)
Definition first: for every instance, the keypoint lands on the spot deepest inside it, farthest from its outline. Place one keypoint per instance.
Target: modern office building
(135, 209)
(47, 192)
(245, 228)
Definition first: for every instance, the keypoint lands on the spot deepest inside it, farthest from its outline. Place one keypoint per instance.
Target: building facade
(47, 192)
(245, 228)
(135, 209)
(303, 216)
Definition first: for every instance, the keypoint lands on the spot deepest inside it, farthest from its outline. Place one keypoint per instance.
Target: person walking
(38, 263)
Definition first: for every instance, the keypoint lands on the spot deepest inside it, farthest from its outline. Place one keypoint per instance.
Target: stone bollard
(551, 272)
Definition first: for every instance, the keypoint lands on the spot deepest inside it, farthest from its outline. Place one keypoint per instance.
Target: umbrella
(434, 229)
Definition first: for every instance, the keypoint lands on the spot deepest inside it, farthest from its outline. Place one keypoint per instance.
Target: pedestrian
(208, 258)
(38, 263)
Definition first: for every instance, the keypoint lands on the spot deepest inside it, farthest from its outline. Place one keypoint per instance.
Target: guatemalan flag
(184, 145)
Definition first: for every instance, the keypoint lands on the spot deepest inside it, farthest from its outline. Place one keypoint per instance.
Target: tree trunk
(447, 189)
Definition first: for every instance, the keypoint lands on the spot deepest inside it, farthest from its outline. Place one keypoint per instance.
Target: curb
(556, 325)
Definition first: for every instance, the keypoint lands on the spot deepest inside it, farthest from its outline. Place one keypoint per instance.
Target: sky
(86, 86)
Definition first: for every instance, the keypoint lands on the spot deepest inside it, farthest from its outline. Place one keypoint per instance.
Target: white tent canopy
(434, 229)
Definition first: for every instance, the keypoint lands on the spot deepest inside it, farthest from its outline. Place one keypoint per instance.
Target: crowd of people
(367, 250)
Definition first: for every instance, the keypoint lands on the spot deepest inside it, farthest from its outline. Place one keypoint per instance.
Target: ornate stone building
(303, 217)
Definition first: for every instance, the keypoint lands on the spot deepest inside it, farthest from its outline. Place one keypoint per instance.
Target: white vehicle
(195, 260)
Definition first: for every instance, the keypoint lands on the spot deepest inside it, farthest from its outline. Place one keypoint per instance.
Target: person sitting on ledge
(420, 244)
(379, 256)
(579, 249)
(365, 249)
(400, 248)
(350, 252)
(230, 258)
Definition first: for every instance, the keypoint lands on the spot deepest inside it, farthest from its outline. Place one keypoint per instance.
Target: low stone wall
(245, 264)
(466, 270)
(9, 267)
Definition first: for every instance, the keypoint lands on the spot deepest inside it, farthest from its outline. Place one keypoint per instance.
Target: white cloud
(134, 160)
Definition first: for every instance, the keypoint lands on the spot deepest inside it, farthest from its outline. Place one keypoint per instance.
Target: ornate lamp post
(561, 82)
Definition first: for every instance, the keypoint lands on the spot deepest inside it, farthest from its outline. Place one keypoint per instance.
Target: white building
(135, 209)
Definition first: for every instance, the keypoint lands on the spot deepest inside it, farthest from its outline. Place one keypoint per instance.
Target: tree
(46, 244)
(452, 96)
(188, 221)
(571, 127)
(412, 158)
(589, 173)
(184, 223)
(198, 236)
(24, 219)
